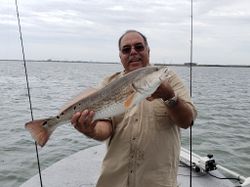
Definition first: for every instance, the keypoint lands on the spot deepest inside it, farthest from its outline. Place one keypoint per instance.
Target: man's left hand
(164, 91)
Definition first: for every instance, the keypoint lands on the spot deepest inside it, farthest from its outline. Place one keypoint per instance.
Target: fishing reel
(205, 164)
(199, 164)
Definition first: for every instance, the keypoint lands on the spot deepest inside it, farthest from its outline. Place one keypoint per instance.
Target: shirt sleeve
(181, 90)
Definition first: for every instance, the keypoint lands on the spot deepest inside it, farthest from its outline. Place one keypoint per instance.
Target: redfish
(111, 100)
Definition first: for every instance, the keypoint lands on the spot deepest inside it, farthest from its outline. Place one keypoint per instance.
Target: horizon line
(107, 62)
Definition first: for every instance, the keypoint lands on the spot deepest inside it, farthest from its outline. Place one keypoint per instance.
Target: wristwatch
(172, 102)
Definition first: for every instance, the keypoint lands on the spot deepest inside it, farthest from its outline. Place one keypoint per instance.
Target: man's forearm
(182, 114)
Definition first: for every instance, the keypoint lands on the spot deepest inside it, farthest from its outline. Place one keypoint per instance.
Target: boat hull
(83, 168)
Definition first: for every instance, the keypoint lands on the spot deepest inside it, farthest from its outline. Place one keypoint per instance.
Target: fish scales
(113, 93)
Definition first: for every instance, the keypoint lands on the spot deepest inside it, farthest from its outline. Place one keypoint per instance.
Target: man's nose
(133, 51)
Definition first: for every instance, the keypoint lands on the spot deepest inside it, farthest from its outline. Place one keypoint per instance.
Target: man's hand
(164, 91)
(98, 130)
(83, 122)
(182, 114)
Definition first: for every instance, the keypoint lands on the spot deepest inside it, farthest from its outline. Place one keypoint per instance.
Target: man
(144, 143)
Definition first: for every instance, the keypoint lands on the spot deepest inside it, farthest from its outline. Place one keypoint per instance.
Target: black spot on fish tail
(62, 114)
(44, 123)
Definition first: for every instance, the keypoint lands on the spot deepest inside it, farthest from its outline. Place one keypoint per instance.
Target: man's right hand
(83, 122)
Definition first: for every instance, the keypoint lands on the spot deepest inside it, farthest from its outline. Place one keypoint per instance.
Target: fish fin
(129, 101)
(39, 130)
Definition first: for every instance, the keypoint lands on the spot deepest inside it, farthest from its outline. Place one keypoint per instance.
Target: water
(220, 94)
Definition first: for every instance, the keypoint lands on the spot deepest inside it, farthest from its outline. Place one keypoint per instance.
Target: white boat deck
(82, 170)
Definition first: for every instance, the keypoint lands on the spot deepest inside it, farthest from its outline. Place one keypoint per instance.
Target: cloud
(81, 29)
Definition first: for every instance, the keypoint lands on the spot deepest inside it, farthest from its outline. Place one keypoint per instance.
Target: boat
(82, 169)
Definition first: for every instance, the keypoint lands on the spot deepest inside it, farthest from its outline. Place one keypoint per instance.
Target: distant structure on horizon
(190, 64)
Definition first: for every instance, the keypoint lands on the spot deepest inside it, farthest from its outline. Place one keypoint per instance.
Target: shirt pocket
(160, 115)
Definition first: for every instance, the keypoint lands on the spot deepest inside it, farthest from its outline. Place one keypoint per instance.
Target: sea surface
(221, 95)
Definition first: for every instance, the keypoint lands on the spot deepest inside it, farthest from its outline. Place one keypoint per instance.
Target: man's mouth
(134, 60)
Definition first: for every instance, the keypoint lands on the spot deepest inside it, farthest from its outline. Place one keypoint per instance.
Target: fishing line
(190, 88)
(27, 83)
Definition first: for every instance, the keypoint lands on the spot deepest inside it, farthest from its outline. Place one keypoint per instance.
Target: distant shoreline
(158, 64)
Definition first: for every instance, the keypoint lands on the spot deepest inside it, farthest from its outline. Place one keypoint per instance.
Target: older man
(144, 143)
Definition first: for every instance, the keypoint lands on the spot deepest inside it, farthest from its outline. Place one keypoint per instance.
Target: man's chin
(134, 65)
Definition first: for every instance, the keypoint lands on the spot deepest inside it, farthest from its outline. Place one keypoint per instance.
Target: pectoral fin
(129, 101)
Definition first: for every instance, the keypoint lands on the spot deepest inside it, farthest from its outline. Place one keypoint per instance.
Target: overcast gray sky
(89, 30)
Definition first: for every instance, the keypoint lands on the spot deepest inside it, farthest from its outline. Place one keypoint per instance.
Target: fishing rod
(190, 88)
(208, 163)
(27, 82)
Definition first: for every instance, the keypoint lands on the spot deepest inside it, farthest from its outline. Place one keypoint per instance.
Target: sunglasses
(137, 47)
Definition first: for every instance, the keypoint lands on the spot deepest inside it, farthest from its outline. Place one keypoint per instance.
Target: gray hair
(128, 31)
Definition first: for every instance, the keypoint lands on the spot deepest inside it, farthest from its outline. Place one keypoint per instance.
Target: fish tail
(40, 130)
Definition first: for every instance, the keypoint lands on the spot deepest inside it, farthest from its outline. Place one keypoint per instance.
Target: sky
(89, 30)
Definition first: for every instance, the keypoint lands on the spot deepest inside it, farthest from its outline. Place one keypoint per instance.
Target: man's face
(133, 53)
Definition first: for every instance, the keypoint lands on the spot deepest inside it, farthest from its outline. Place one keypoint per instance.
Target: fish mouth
(165, 70)
(165, 74)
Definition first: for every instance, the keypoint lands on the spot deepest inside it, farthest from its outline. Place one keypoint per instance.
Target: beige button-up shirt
(144, 149)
